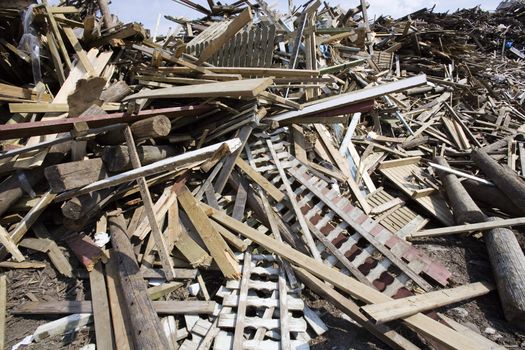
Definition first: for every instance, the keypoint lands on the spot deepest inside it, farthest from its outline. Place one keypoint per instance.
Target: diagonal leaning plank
(422, 324)
(218, 248)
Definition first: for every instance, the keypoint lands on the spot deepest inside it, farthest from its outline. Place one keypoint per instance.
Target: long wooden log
(490, 197)
(147, 331)
(508, 264)
(505, 178)
(463, 207)
(157, 126)
(506, 257)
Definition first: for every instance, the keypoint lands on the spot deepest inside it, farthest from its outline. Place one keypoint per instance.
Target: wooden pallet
(339, 242)
(401, 173)
(399, 219)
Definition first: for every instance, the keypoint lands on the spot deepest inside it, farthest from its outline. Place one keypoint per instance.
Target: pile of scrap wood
(235, 182)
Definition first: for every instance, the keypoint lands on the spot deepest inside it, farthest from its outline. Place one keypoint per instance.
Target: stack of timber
(261, 180)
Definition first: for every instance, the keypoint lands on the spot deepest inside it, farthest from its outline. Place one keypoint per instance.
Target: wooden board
(399, 308)
(234, 89)
(103, 328)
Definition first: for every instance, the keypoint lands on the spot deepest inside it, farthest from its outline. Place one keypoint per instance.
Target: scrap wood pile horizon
(261, 180)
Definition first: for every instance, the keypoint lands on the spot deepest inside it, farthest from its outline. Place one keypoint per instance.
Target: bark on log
(508, 263)
(146, 328)
(117, 158)
(463, 207)
(490, 197)
(158, 126)
(503, 177)
(506, 257)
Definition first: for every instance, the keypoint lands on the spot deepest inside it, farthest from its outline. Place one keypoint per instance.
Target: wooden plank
(241, 307)
(399, 308)
(100, 305)
(266, 185)
(171, 307)
(219, 250)
(234, 26)
(482, 226)
(389, 336)
(165, 258)
(168, 164)
(233, 89)
(424, 325)
(119, 317)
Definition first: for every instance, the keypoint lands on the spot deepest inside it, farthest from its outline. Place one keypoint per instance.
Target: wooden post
(504, 178)
(157, 126)
(146, 328)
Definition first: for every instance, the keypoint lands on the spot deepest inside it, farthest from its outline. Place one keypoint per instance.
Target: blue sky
(146, 11)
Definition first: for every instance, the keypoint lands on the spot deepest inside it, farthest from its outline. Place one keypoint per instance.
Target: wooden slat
(399, 308)
(100, 305)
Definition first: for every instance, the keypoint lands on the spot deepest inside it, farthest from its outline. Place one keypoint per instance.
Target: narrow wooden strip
(399, 308)
(482, 226)
(100, 305)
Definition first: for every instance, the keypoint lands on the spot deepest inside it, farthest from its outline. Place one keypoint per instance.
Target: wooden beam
(266, 185)
(404, 307)
(233, 89)
(168, 164)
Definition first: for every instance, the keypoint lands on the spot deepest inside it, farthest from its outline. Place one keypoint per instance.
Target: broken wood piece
(23, 265)
(10, 245)
(67, 176)
(219, 250)
(61, 326)
(85, 249)
(399, 308)
(3, 309)
(153, 127)
(266, 185)
(159, 291)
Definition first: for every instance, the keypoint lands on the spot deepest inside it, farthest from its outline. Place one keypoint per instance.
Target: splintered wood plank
(100, 304)
(10, 246)
(422, 324)
(234, 26)
(218, 248)
(23, 226)
(119, 317)
(167, 261)
(241, 307)
(399, 308)
(234, 89)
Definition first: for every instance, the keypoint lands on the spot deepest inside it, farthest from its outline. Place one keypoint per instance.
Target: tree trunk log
(490, 197)
(117, 157)
(150, 128)
(503, 177)
(463, 207)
